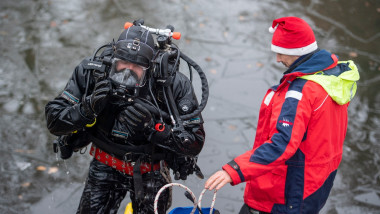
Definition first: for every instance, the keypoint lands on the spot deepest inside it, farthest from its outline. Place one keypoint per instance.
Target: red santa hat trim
(292, 36)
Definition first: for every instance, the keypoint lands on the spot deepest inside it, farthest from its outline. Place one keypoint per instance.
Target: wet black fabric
(245, 209)
(106, 188)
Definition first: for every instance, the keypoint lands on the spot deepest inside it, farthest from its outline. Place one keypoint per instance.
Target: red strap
(120, 165)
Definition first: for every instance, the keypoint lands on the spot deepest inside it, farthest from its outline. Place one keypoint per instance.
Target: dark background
(42, 41)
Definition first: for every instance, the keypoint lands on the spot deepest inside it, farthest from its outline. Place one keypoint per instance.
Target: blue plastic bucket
(187, 210)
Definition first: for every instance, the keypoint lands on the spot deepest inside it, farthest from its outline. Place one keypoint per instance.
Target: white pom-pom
(271, 30)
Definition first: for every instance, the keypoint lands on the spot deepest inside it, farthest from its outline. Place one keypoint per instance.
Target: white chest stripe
(268, 98)
(294, 94)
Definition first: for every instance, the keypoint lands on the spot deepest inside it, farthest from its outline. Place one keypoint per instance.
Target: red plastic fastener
(159, 127)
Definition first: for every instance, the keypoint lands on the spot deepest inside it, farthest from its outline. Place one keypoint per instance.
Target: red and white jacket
(299, 139)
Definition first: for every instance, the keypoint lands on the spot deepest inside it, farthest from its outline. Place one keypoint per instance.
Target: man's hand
(93, 104)
(136, 117)
(218, 180)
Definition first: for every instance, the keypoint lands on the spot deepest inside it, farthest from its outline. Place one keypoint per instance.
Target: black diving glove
(182, 167)
(160, 136)
(93, 104)
(137, 118)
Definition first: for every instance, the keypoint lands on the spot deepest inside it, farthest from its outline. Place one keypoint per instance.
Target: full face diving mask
(127, 78)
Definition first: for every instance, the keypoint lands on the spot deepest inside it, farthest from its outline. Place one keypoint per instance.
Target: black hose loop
(205, 91)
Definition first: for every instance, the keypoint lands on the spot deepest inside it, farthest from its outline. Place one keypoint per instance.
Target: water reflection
(42, 41)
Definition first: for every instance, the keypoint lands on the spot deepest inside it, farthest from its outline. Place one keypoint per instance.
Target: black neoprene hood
(135, 45)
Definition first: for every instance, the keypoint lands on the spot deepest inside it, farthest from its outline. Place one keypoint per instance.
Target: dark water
(42, 41)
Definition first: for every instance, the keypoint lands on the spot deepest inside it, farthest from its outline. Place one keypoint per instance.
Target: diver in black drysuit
(91, 109)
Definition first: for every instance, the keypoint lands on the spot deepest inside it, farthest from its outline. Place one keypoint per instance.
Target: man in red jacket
(301, 128)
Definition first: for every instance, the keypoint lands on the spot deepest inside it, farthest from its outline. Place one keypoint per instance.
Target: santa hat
(292, 36)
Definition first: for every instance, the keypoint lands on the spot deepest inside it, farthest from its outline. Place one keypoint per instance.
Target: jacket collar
(313, 62)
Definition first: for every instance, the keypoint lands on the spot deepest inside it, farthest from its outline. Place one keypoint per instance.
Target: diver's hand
(136, 117)
(93, 104)
(181, 166)
(161, 137)
(218, 180)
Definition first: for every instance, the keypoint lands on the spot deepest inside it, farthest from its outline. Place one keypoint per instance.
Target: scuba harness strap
(137, 181)
(128, 153)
